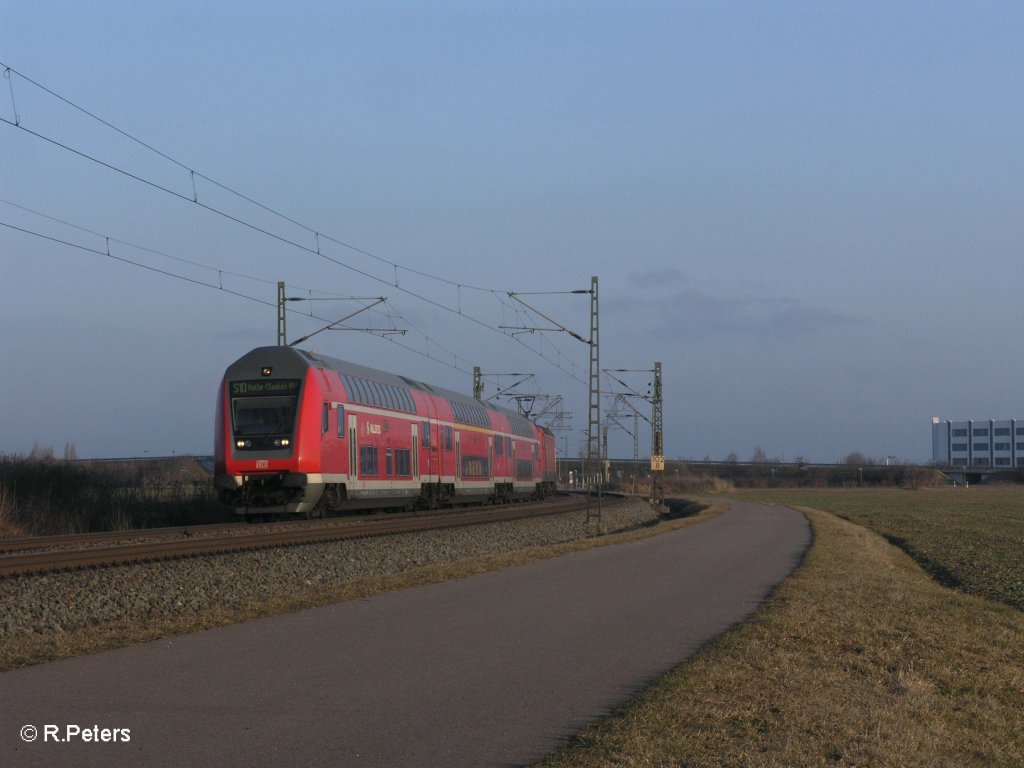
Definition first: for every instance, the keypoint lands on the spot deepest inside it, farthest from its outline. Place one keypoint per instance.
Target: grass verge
(858, 659)
(36, 649)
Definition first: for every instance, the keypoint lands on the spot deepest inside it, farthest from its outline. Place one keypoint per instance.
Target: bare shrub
(42, 496)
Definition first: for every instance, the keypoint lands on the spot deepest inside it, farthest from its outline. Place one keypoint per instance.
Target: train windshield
(264, 407)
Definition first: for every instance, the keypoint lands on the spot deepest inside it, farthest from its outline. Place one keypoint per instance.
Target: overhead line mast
(654, 397)
(657, 441)
(594, 418)
(594, 397)
(281, 328)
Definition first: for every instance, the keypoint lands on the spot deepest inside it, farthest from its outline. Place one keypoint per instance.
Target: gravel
(55, 603)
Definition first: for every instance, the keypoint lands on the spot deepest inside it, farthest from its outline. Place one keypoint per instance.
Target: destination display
(258, 387)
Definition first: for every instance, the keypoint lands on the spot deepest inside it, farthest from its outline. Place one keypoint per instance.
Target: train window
(264, 407)
(368, 466)
(468, 413)
(263, 415)
(425, 434)
(366, 392)
(521, 425)
(325, 420)
(497, 445)
(447, 438)
(341, 420)
(403, 461)
(475, 467)
(388, 462)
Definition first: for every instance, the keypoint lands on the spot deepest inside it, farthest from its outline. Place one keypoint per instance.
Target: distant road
(493, 670)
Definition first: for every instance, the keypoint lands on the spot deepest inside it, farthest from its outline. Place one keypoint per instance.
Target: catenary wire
(239, 294)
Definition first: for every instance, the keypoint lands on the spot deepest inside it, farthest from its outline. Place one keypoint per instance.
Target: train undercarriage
(298, 495)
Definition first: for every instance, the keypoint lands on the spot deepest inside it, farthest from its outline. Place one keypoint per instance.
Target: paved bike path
(498, 669)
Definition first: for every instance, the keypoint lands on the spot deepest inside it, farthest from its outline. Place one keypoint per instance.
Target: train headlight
(243, 443)
(282, 442)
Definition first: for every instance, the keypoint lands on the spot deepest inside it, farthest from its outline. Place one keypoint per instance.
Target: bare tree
(41, 453)
(855, 459)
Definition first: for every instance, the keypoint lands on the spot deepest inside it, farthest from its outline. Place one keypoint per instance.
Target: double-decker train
(302, 434)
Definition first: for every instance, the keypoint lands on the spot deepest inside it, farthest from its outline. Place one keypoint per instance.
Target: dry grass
(859, 659)
(971, 539)
(33, 649)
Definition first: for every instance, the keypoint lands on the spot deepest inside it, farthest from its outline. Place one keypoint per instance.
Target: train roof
(271, 355)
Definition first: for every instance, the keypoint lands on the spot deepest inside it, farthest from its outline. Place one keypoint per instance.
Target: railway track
(57, 553)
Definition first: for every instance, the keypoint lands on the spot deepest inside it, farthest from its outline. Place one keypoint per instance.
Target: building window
(1020, 446)
(960, 447)
(1003, 462)
(981, 432)
(959, 433)
(1002, 446)
(981, 446)
(1001, 432)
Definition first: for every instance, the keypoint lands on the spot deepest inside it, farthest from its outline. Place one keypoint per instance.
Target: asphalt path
(493, 670)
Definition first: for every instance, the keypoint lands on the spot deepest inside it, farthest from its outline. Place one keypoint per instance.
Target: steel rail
(70, 559)
(71, 540)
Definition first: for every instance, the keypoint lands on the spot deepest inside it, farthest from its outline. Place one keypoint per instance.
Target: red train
(298, 433)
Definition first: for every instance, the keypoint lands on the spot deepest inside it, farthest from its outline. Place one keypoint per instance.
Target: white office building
(998, 444)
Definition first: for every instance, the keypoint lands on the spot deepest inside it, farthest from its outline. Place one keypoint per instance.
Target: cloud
(759, 317)
(661, 278)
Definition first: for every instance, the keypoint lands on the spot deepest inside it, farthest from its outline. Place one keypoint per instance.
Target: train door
(458, 455)
(353, 448)
(415, 452)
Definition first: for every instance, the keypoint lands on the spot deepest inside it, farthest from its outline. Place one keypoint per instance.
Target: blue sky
(810, 213)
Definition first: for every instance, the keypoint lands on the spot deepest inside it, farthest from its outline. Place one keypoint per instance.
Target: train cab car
(303, 434)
